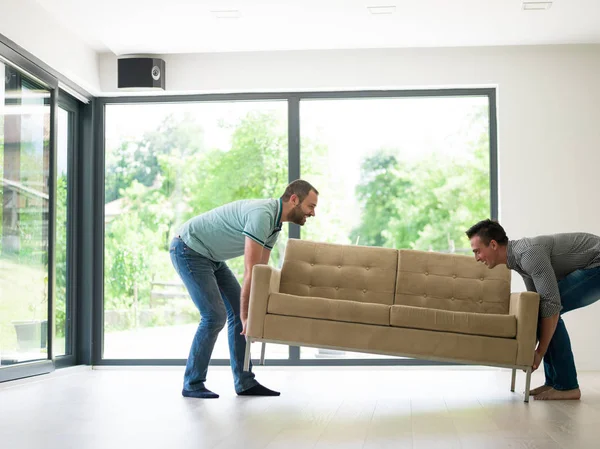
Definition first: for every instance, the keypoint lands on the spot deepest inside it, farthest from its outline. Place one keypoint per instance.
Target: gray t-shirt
(220, 234)
(544, 260)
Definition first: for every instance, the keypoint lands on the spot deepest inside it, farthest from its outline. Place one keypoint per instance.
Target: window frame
(293, 100)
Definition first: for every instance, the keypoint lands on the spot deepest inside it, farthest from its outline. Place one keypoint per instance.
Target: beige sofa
(425, 305)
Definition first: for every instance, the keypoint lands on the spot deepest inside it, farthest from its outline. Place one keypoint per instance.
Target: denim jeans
(579, 289)
(216, 293)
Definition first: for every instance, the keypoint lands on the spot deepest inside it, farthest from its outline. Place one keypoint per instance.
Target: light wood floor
(366, 408)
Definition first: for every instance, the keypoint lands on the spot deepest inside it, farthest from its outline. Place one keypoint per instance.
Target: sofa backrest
(451, 282)
(355, 273)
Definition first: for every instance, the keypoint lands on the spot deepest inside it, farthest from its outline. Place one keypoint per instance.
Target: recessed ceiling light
(227, 14)
(536, 6)
(377, 10)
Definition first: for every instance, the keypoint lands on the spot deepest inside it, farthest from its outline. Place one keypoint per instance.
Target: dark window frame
(293, 100)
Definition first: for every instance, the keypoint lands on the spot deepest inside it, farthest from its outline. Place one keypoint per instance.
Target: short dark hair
(300, 188)
(488, 230)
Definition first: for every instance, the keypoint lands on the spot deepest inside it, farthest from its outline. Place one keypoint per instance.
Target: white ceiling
(188, 26)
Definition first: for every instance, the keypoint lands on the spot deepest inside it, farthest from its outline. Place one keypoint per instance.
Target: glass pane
(61, 344)
(404, 172)
(166, 163)
(24, 171)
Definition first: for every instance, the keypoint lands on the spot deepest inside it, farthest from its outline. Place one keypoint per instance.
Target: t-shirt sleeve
(271, 240)
(258, 227)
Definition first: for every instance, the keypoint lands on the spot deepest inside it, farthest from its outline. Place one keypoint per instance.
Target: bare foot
(539, 390)
(557, 395)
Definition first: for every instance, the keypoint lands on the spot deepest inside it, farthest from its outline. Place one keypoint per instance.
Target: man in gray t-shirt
(564, 269)
(198, 253)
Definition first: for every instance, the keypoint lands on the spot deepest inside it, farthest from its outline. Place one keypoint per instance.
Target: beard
(297, 215)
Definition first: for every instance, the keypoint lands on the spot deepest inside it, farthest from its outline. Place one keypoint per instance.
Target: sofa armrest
(265, 280)
(525, 306)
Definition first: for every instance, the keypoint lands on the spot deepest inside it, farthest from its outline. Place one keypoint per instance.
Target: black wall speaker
(141, 73)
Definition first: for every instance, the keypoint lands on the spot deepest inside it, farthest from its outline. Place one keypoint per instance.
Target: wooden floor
(337, 407)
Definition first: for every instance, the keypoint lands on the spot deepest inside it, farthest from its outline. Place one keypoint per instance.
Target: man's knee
(214, 322)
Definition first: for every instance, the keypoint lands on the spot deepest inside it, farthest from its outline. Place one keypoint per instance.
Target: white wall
(29, 26)
(548, 122)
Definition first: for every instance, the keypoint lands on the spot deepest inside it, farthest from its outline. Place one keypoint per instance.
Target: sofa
(425, 305)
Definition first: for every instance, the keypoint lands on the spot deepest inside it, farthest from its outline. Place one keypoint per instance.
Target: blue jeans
(216, 293)
(579, 289)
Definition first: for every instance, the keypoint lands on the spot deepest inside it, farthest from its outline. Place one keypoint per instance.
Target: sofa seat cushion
(491, 325)
(328, 309)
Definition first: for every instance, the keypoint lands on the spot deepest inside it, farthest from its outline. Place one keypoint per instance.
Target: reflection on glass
(164, 164)
(61, 346)
(24, 211)
(397, 173)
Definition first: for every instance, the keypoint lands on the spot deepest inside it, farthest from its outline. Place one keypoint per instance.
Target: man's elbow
(550, 310)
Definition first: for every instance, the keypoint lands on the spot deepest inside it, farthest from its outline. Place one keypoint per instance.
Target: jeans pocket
(174, 254)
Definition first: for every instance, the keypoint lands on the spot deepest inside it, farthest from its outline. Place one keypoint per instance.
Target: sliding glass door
(25, 262)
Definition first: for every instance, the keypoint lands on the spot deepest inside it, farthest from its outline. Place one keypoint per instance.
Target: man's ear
(494, 244)
(294, 199)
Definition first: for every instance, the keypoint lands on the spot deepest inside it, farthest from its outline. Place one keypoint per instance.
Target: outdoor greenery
(158, 181)
(61, 255)
(425, 204)
(169, 176)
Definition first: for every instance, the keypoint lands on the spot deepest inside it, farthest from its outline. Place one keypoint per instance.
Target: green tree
(188, 180)
(127, 274)
(383, 183)
(425, 204)
(139, 160)
(255, 166)
(61, 255)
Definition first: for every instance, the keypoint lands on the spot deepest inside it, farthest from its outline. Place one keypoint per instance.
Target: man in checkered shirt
(564, 269)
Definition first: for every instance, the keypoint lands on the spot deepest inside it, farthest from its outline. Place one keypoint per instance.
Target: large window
(24, 211)
(396, 172)
(405, 170)
(166, 163)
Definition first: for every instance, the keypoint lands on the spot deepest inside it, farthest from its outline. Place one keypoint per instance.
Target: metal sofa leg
(247, 355)
(513, 379)
(262, 353)
(527, 384)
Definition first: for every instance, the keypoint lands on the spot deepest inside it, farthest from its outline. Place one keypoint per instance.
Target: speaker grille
(141, 73)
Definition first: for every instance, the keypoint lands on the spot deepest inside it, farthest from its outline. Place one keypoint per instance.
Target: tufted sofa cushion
(451, 282)
(352, 273)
